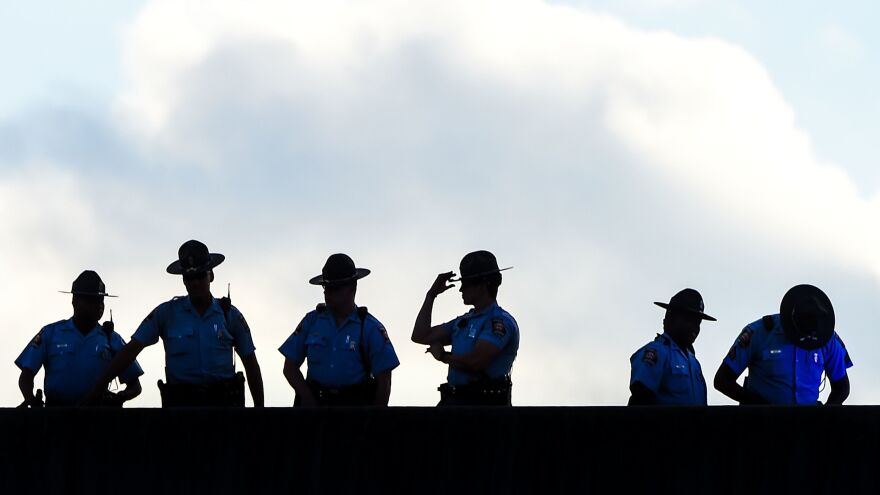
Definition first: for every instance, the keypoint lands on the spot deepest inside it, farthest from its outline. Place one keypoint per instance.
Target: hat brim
(799, 293)
(78, 293)
(685, 310)
(483, 274)
(359, 273)
(176, 268)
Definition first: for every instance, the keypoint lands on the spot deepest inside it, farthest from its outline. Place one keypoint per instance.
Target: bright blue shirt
(334, 352)
(491, 324)
(672, 373)
(781, 372)
(198, 348)
(73, 361)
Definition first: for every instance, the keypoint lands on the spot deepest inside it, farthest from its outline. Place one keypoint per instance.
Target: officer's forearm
(725, 382)
(254, 378)
(422, 327)
(26, 384)
(132, 389)
(296, 380)
(465, 362)
(641, 395)
(120, 363)
(383, 388)
(839, 391)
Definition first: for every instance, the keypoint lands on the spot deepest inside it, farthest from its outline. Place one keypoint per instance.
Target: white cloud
(611, 166)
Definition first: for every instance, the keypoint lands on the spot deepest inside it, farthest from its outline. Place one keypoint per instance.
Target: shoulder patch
(383, 332)
(498, 327)
(38, 339)
(298, 329)
(732, 354)
(149, 316)
(650, 356)
(745, 338)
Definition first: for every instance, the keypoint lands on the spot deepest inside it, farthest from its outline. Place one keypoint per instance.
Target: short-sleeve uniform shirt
(335, 354)
(73, 361)
(781, 372)
(491, 324)
(672, 373)
(198, 348)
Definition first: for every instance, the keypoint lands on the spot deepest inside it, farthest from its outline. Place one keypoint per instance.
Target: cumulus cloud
(610, 166)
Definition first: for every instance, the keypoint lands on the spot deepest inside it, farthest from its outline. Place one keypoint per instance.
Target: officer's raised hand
(423, 332)
(441, 284)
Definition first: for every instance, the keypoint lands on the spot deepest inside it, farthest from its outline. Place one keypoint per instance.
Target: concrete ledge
(427, 450)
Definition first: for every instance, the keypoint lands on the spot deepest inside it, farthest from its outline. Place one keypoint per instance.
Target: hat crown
(689, 299)
(88, 282)
(338, 267)
(193, 255)
(477, 263)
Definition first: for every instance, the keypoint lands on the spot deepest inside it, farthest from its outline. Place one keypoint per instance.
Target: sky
(612, 152)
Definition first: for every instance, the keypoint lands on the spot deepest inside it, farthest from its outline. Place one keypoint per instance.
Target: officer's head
(480, 277)
(684, 313)
(88, 297)
(476, 289)
(807, 316)
(339, 278)
(198, 284)
(682, 326)
(340, 296)
(88, 308)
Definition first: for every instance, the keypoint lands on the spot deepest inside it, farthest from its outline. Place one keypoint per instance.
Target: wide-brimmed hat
(88, 283)
(807, 316)
(339, 269)
(194, 257)
(478, 264)
(689, 301)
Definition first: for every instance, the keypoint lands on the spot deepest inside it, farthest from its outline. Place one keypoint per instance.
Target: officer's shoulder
(658, 345)
(498, 311)
(51, 328)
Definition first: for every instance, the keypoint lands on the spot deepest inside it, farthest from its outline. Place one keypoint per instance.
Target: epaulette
(768, 323)
(320, 308)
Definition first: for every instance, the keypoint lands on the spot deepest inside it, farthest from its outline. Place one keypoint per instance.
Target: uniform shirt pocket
(60, 356)
(103, 352)
(179, 340)
(679, 378)
(774, 362)
(316, 348)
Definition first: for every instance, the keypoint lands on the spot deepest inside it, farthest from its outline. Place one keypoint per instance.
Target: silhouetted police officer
(76, 352)
(666, 371)
(484, 340)
(787, 353)
(199, 333)
(349, 354)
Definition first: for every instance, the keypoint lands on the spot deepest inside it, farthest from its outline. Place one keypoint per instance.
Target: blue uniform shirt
(198, 348)
(492, 324)
(73, 361)
(334, 353)
(672, 373)
(781, 372)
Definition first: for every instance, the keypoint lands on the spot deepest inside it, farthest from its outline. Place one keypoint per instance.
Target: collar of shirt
(473, 312)
(70, 326)
(327, 314)
(674, 345)
(213, 308)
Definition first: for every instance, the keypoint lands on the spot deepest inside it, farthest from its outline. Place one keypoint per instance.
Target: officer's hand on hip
(441, 284)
